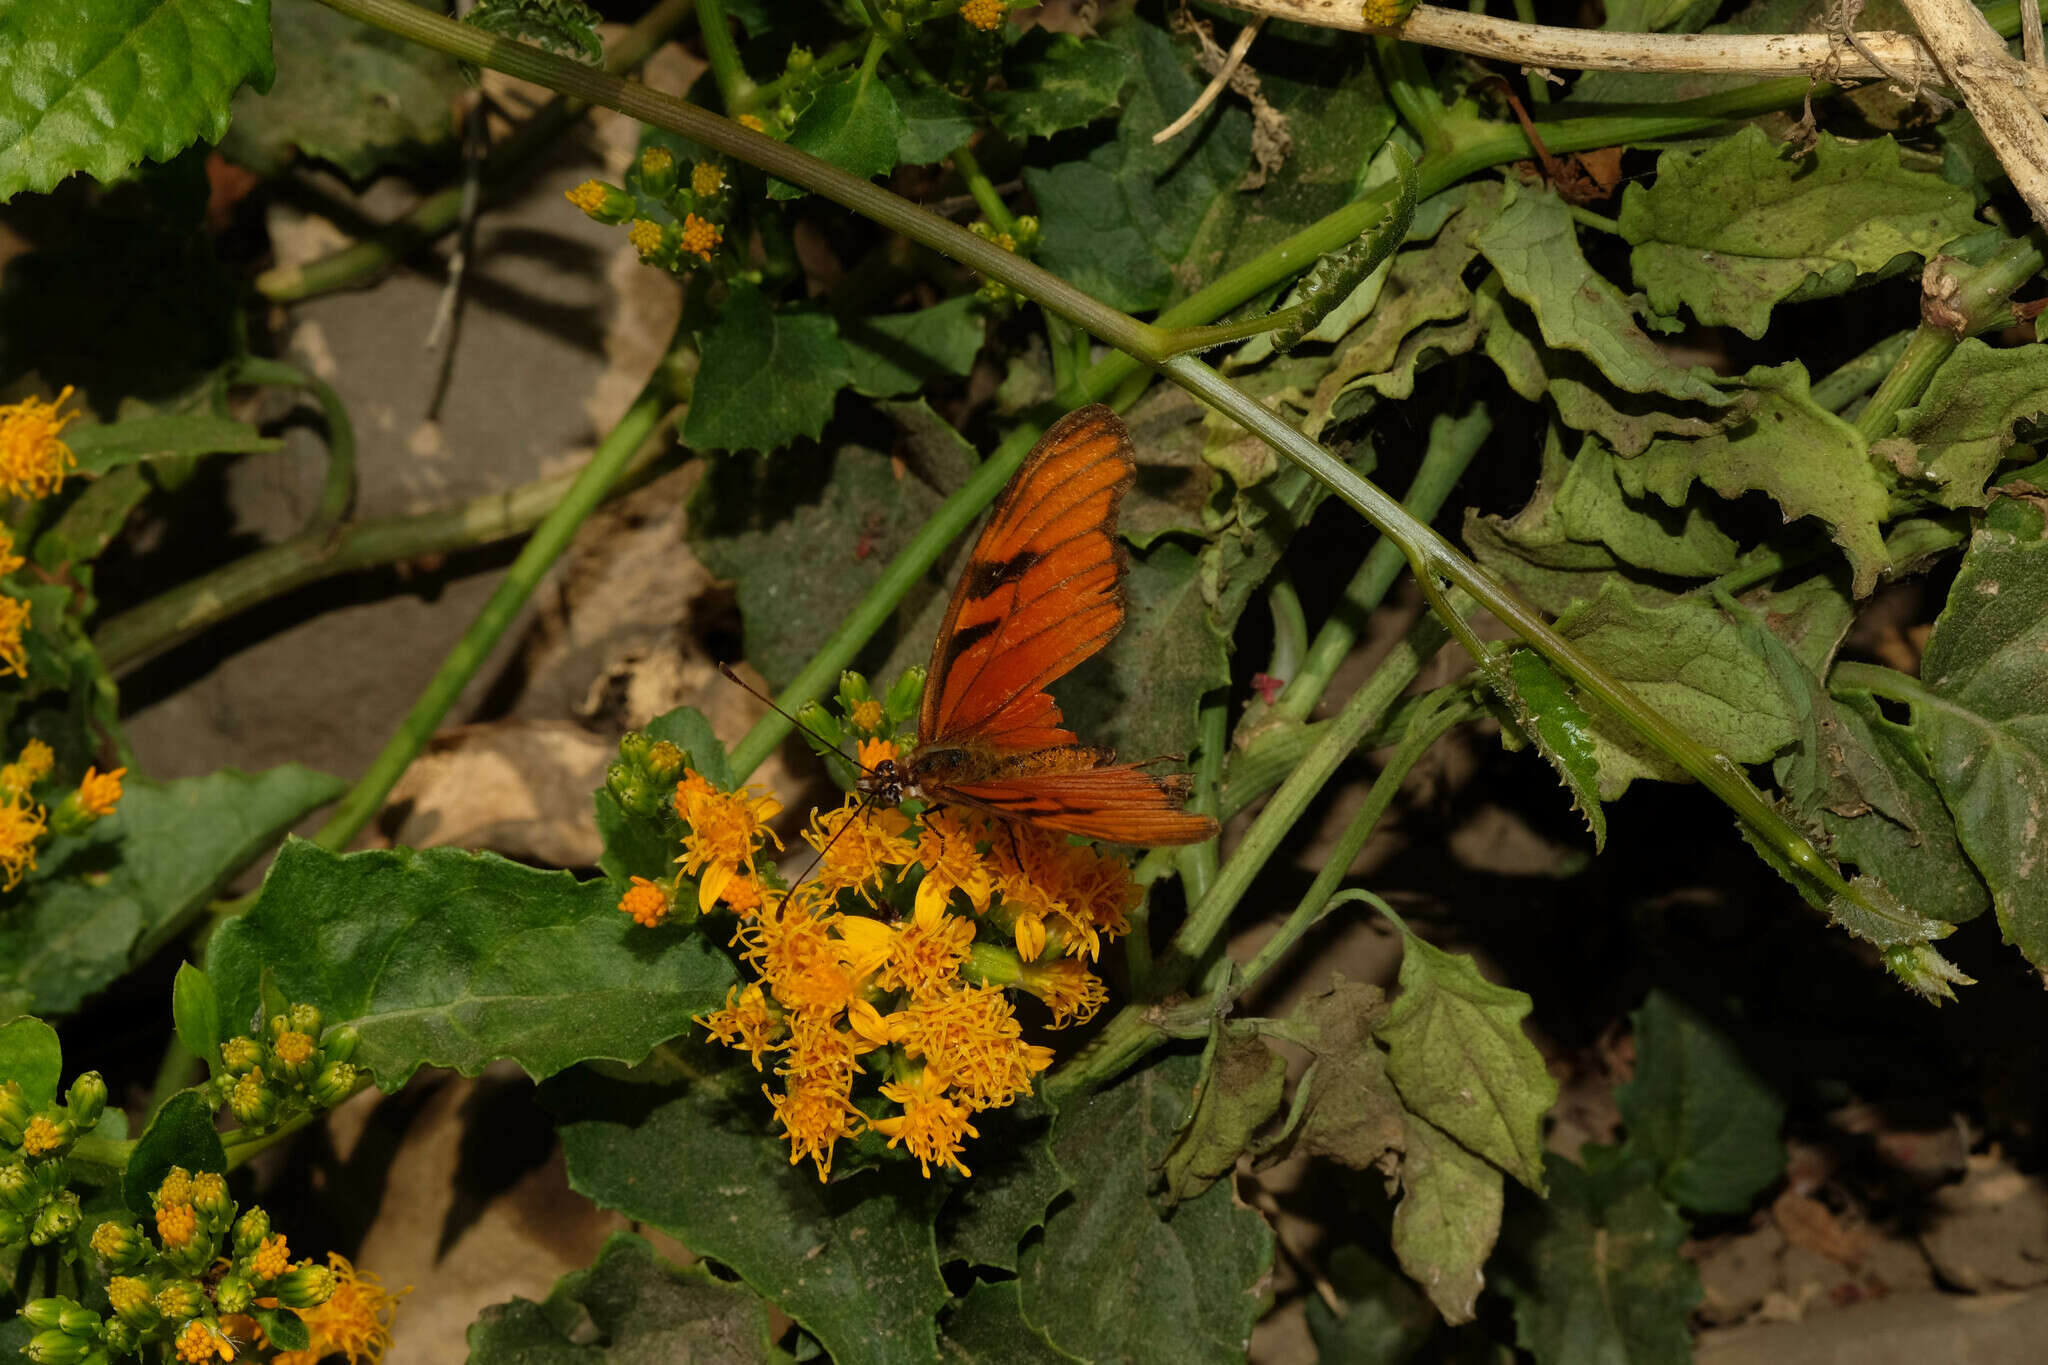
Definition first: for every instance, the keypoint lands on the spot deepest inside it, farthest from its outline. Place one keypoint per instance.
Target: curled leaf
(1333, 277)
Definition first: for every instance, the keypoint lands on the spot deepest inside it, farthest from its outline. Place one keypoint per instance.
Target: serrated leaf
(101, 903)
(195, 1014)
(1457, 1054)
(1699, 1110)
(348, 94)
(852, 1261)
(901, 352)
(1533, 243)
(446, 958)
(768, 377)
(1736, 228)
(100, 85)
(1111, 1279)
(1241, 1086)
(1333, 278)
(1688, 659)
(853, 123)
(805, 556)
(107, 446)
(1016, 1179)
(1055, 81)
(1985, 727)
(32, 1058)
(1600, 1278)
(1448, 1218)
(1803, 457)
(180, 1133)
(565, 26)
(1964, 425)
(1548, 716)
(640, 1308)
(935, 122)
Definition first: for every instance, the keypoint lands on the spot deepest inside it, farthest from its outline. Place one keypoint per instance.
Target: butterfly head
(883, 783)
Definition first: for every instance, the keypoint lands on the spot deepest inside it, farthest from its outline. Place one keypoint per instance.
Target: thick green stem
(734, 84)
(1219, 333)
(1197, 862)
(548, 542)
(1854, 378)
(984, 191)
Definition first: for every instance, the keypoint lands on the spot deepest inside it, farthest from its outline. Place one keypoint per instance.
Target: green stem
(1182, 339)
(1408, 84)
(1290, 629)
(831, 59)
(438, 213)
(1883, 682)
(338, 491)
(1854, 378)
(1197, 862)
(204, 602)
(984, 191)
(1585, 217)
(1453, 442)
(548, 542)
(735, 86)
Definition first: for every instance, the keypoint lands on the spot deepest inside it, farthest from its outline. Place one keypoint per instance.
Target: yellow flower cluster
(355, 1324)
(33, 456)
(847, 985)
(986, 15)
(25, 825)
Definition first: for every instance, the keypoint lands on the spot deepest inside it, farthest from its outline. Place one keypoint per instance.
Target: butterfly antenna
(782, 711)
(859, 812)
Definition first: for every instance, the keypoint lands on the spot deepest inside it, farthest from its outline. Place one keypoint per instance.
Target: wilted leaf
(1344, 1107)
(1448, 1218)
(1964, 425)
(441, 957)
(1240, 1091)
(1700, 1110)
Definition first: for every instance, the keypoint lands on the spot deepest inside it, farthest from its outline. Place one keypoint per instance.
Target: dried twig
(1995, 87)
(1231, 61)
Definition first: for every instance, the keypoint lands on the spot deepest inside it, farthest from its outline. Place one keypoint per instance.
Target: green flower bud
(340, 1043)
(87, 1100)
(252, 1102)
(55, 1347)
(211, 1201)
(901, 702)
(58, 1220)
(605, 203)
(133, 1304)
(181, 1300)
(19, 1190)
(305, 1019)
(304, 1286)
(240, 1056)
(333, 1085)
(800, 59)
(13, 1228)
(250, 1230)
(665, 762)
(657, 171)
(81, 1322)
(121, 1339)
(14, 1106)
(44, 1314)
(233, 1294)
(120, 1246)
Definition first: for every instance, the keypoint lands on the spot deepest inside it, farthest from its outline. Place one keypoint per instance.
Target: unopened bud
(305, 1019)
(120, 1246)
(233, 1294)
(340, 1042)
(44, 1314)
(336, 1081)
(240, 1056)
(87, 1100)
(56, 1347)
(210, 1200)
(250, 1230)
(304, 1286)
(132, 1302)
(18, 1189)
(121, 1339)
(58, 1220)
(251, 1101)
(80, 1322)
(14, 1106)
(181, 1300)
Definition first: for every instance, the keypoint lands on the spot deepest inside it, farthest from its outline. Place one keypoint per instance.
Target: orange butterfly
(1042, 592)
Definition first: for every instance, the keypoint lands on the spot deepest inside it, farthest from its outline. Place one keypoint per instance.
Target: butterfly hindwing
(1120, 804)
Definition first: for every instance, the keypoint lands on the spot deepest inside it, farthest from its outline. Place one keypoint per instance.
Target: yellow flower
(175, 1224)
(972, 1038)
(813, 962)
(9, 561)
(293, 1047)
(1386, 13)
(706, 179)
(814, 1117)
(199, 1343)
(744, 894)
(820, 1051)
(176, 1187)
(925, 955)
(591, 196)
(986, 15)
(37, 758)
(855, 842)
(33, 456)
(99, 793)
(14, 614)
(724, 832)
(355, 1323)
(1069, 990)
(754, 122)
(866, 715)
(645, 235)
(700, 237)
(747, 1021)
(657, 161)
(932, 1124)
(646, 902)
(947, 846)
(272, 1257)
(22, 825)
(41, 1136)
(873, 753)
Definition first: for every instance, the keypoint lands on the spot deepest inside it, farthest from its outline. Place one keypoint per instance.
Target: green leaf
(1055, 81)
(1680, 541)
(1016, 1178)
(195, 1013)
(107, 446)
(1964, 426)
(1119, 222)
(565, 26)
(1688, 659)
(767, 377)
(1336, 276)
(1112, 1279)
(987, 1327)
(1384, 1320)
(92, 519)
(639, 1308)
(99, 85)
(852, 1260)
(1742, 225)
(804, 556)
(1241, 1086)
(1985, 724)
(1344, 1105)
(107, 900)
(1658, 16)
(283, 1328)
(1548, 716)
(1600, 1277)
(1457, 1053)
(32, 1058)
(853, 123)
(348, 94)
(1533, 243)
(1448, 1218)
(181, 1133)
(1700, 1110)
(935, 122)
(902, 352)
(441, 957)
